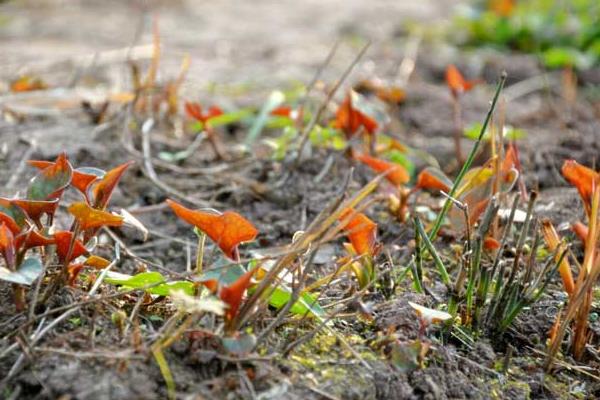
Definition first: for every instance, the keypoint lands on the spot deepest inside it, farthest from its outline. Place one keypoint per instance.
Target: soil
(238, 64)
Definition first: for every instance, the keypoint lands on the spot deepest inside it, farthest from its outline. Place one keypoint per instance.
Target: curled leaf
(456, 82)
(232, 294)
(90, 218)
(583, 178)
(50, 182)
(434, 180)
(349, 120)
(7, 245)
(36, 208)
(16, 215)
(63, 244)
(361, 231)
(82, 177)
(394, 173)
(31, 239)
(227, 230)
(10, 223)
(194, 110)
(103, 189)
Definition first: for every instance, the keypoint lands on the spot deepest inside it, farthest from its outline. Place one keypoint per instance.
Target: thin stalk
(469, 161)
(434, 254)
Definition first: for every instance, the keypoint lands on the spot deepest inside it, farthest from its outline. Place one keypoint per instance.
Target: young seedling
(194, 110)
(26, 225)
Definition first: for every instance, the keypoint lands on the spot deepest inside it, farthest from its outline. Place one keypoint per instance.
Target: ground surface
(242, 50)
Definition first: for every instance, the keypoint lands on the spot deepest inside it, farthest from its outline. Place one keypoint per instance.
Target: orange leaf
(583, 179)
(50, 183)
(227, 230)
(581, 231)
(510, 162)
(427, 180)
(554, 243)
(27, 84)
(74, 270)
(10, 223)
(80, 180)
(7, 245)
(350, 120)
(361, 231)
(456, 82)
(194, 110)
(36, 208)
(89, 217)
(489, 243)
(232, 294)
(97, 262)
(476, 210)
(104, 188)
(63, 242)
(394, 173)
(32, 238)
(282, 111)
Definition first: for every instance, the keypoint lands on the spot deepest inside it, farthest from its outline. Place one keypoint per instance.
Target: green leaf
(26, 274)
(231, 117)
(145, 279)
(49, 182)
(398, 157)
(222, 272)
(510, 133)
(12, 211)
(306, 303)
(276, 98)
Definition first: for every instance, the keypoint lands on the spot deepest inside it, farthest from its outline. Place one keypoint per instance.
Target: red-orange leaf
(89, 217)
(32, 238)
(74, 270)
(456, 82)
(430, 180)
(227, 230)
(10, 223)
(510, 162)
(104, 188)
(7, 245)
(361, 231)
(282, 111)
(81, 179)
(13, 211)
(350, 120)
(232, 295)
(194, 110)
(489, 243)
(394, 173)
(583, 179)
(36, 208)
(63, 242)
(50, 182)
